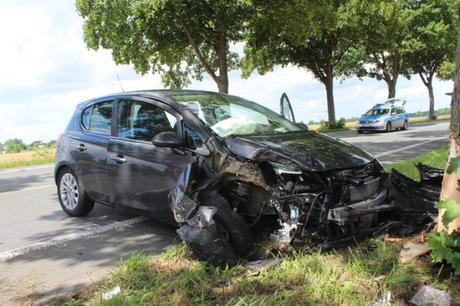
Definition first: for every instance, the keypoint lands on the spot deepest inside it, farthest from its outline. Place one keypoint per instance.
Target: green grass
(354, 276)
(436, 158)
(321, 130)
(27, 158)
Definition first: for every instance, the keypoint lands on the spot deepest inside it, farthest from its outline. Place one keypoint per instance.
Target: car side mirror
(167, 140)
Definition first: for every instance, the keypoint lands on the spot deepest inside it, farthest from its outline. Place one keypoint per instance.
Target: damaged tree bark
(450, 185)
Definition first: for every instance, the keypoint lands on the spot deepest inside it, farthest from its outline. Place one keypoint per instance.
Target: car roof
(163, 94)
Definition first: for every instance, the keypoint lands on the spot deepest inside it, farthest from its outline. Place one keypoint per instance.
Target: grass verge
(436, 158)
(358, 275)
(27, 158)
(355, 276)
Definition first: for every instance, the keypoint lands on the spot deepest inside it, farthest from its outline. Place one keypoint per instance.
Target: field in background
(27, 158)
(352, 124)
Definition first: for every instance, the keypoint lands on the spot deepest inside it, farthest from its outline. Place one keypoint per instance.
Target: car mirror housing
(167, 140)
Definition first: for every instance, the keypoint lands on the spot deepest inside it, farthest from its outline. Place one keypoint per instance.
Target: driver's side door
(286, 108)
(141, 175)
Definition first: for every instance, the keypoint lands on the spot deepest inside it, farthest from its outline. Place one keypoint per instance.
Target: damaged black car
(226, 170)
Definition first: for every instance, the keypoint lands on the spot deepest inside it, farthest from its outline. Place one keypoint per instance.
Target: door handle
(119, 159)
(81, 147)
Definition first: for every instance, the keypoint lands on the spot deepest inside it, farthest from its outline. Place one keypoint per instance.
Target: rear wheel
(72, 196)
(388, 127)
(359, 131)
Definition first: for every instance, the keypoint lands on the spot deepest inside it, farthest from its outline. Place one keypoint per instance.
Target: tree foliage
(384, 30)
(446, 71)
(180, 39)
(316, 35)
(14, 145)
(430, 41)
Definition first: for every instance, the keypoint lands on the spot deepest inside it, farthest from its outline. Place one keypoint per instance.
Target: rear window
(85, 117)
(101, 118)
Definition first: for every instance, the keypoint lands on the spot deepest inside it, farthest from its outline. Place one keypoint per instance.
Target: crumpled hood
(311, 151)
(372, 118)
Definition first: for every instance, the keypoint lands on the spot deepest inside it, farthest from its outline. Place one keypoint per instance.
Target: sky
(46, 70)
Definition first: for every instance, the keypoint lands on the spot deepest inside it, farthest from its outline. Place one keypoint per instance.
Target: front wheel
(388, 127)
(72, 196)
(224, 242)
(406, 125)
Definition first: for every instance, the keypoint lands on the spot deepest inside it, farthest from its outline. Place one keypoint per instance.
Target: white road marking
(60, 240)
(27, 189)
(409, 147)
(25, 169)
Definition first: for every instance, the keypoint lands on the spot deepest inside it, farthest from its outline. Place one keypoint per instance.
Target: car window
(142, 121)
(377, 111)
(86, 116)
(101, 118)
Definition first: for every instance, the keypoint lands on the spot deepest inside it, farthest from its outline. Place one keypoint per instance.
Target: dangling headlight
(285, 168)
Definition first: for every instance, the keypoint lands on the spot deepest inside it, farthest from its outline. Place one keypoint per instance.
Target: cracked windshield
(235, 116)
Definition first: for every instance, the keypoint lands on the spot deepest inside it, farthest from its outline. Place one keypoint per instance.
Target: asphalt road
(45, 254)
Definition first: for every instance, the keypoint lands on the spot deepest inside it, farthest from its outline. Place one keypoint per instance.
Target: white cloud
(46, 70)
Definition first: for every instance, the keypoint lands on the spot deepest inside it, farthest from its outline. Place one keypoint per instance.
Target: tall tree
(180, 39)
(384, 33)
(432, 25)
(315, 35)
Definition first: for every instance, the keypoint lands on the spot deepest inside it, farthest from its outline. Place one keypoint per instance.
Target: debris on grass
(429, 296)
(384, 300)
(412, 250)
(111, 293)
(262, 264)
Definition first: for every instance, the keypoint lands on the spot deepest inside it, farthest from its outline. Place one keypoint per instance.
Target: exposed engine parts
(290, 204)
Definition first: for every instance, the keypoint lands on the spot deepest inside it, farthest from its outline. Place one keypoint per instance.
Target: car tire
(231, 229)
(405, 126)
(72, 196)
(240, 236)
(388, 127)
(359, 131)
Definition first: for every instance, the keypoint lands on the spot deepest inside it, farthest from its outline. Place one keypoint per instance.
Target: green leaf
(452, 210)
(454, 165)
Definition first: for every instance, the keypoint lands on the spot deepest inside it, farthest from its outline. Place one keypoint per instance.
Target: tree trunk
(222, 85)
(329, 84)
(391, 83)
(450, 181)
(431, 95)
(221, 51)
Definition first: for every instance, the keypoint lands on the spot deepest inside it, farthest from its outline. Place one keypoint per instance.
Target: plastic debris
(384, 300)
(260, 264)
(429, 296)
(112, 293)
(411, 250)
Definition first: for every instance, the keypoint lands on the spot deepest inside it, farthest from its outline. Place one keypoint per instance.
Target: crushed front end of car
(247, 188)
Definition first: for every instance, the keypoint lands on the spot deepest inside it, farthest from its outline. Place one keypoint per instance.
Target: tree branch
(198, 52)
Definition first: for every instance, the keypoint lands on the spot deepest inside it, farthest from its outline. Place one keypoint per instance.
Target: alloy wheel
(68, 190)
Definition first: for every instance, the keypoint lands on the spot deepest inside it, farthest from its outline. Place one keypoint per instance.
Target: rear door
(90, 149)
(140, 173)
